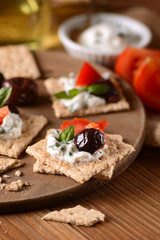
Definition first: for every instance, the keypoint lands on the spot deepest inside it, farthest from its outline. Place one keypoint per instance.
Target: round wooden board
(48, 189)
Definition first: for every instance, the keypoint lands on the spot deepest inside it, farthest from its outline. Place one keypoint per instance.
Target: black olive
(89, 140)
(24, 90)
(111, 96)
(2, 79)
(12, 108)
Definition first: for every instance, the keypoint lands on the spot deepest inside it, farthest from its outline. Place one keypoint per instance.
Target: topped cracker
(80, 171)
(61, 111)
(32, 125)
(17, 61)
(77, 215)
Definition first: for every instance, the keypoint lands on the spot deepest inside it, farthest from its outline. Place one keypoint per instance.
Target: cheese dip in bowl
(105, 39)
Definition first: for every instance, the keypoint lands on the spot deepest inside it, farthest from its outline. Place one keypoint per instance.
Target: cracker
(32, 125)
(81, 171)
(153, 129)
(17, 61)
(15, 186)
(77, 215)
(9, 163)
(61, 111)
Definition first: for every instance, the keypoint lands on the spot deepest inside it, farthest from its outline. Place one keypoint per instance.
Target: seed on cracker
(18, 61)
(77, 215)
(32, 125)
(16, 186)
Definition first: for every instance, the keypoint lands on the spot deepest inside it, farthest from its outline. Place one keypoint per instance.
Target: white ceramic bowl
(93, 55)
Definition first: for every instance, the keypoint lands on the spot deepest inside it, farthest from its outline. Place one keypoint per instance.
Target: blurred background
(35, 22)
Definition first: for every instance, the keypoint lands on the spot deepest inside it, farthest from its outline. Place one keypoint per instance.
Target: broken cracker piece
(9, 163)
(18, 61)
(18, 173)
(80, 171)
(16, 186)
(32, 125)
(77, 215)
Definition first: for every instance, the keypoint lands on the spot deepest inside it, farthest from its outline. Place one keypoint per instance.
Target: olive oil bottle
(24, 21)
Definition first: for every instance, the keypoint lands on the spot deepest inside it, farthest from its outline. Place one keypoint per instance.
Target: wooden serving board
(49, 189)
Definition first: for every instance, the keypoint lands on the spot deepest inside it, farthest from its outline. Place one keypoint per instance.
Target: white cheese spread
(68, 152)
(82, 100)
(68, 81)
(11, 127)
(107, 37)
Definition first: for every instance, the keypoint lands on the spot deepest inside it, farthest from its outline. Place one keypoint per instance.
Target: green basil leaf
(68, 95)
(5, 93)
(67, 134)
(98, 88)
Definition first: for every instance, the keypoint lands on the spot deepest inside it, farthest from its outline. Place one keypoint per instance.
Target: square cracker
(32, 125)
(81, 171)
(17, 61)
(77, 215)
(9, 163)
(61, 111)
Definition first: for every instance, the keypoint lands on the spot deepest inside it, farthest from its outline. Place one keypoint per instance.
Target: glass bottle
(24, 21)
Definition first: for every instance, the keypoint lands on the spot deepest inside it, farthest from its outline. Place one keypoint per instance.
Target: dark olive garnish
(2, 79)
(12, 108)
(89, 140)
(111, 96)
(24, 90)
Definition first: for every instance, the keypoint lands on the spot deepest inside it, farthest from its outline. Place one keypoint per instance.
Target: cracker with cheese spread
(70, 100)
(31, 126)
(59, 157)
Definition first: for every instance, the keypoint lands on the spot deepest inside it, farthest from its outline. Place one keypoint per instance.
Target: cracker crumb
(1, 180)
(16, 186)
(6, 176)
(18, 173)
(77, 215)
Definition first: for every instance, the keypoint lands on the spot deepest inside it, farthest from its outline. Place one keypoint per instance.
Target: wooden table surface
(131, 204)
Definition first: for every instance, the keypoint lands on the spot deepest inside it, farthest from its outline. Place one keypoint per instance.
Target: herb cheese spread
(68, 152)
(11, 127)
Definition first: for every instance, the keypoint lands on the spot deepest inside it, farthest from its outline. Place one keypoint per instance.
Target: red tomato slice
(4, 111)
(131, 59)
(147, 82)
(81, 123)
(88, 75)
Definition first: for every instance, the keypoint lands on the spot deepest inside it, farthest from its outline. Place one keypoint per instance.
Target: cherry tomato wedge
(146, 82)
(130, 59)
(81, 123)
(4, 111)
(88, 75)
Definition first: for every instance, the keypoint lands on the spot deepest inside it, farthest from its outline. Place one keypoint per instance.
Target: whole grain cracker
(32, 125)
(77, 215)
(153, 128)
(81, 171)
(16, 186)
(9, 163)
(61, 111)
(17, 61)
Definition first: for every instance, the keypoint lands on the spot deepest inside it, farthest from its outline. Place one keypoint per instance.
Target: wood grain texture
(46, 189)
(131, 203)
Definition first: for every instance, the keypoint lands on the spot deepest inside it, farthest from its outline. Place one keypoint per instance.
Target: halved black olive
(89, 140)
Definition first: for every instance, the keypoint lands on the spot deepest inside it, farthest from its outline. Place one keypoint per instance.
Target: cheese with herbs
(68, 152)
